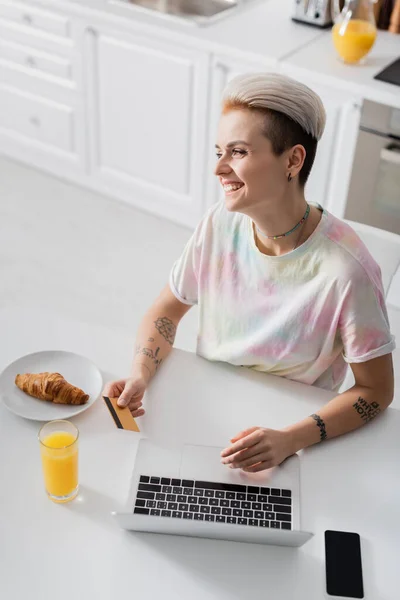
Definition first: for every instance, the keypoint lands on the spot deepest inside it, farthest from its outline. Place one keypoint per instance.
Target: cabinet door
(148, 111)
(223, 70)
(42, 109)
(330, 176)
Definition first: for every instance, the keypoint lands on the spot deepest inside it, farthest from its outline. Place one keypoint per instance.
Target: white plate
(76, 369)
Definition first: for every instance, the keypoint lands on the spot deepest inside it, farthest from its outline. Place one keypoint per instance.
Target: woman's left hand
(256, 449)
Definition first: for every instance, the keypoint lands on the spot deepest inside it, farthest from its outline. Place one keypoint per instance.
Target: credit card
(122, 416)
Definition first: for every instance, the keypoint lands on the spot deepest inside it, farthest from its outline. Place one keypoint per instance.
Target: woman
(282, 286)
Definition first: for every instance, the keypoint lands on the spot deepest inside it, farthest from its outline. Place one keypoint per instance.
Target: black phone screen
(343, 564)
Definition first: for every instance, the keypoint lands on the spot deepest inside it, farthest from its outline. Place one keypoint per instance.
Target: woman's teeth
(231, 187)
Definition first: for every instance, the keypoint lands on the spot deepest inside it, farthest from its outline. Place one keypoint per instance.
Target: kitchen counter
(259, 31)
(320, 58)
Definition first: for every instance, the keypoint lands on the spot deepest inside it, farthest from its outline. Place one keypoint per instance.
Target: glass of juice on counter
(59, 451)
(354, 31)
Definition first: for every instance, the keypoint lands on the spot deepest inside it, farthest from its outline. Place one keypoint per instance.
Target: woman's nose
(222, 167)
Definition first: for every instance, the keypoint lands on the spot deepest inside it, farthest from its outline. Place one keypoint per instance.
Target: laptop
(186, 490)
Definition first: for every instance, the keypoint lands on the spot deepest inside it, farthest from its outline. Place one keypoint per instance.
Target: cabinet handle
(34, 121)
(31, 61)
(27, 19)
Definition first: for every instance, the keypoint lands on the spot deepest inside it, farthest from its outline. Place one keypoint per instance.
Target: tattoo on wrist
(321, 426)
(151, 354)
(166, 328)
(365, 410)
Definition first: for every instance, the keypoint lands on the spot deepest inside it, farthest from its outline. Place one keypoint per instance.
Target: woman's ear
(296, 158)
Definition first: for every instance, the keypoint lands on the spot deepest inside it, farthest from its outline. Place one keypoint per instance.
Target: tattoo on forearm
(365, 410)
(321, 426)
(151, 354)
(166, 328)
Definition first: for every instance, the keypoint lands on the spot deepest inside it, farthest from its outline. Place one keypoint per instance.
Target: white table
(61, 552)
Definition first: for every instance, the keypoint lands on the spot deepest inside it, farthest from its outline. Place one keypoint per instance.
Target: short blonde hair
(279, 93)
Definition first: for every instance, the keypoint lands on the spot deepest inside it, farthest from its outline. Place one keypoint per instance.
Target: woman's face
(248, 170)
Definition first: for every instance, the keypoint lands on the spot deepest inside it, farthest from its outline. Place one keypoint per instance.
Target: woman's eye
(238, 151)
(235, 151)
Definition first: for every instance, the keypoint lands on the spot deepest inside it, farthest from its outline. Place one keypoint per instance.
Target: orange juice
(354, 40)
(59, 451)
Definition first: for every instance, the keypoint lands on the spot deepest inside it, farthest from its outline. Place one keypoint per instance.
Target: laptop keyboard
(217, 502)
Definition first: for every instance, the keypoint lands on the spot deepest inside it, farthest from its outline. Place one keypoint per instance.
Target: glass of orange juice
(353, 39)
(59, 451)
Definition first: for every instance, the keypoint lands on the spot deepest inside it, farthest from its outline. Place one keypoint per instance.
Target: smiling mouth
(231, 188)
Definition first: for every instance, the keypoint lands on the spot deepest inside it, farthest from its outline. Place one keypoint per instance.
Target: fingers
(246, 442)
(251, 461)
(138, 413)
(108, 390)
(128, 394)
(135, 404)
(243, 434)
(136, 407)
(259, 467)
(239, 457)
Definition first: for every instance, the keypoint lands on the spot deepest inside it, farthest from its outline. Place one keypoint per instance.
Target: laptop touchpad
(203, 463)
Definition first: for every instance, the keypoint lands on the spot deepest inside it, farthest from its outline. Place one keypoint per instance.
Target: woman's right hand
(129, 392)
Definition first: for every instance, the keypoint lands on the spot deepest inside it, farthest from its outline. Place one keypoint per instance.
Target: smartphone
(343, 564)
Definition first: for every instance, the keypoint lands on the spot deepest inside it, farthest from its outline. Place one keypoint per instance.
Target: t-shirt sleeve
(364, 322)
(184, 275)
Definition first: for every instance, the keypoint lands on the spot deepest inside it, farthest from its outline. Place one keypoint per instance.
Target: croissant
(51, 387)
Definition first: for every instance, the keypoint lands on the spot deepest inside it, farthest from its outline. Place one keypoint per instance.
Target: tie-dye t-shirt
(302, 315)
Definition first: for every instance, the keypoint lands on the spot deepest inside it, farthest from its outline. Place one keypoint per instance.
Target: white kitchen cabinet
(148, 116)
(41, 101)
(47, 122)
(34, 18)
(37, 60)
(222, 71)
(330, 176)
